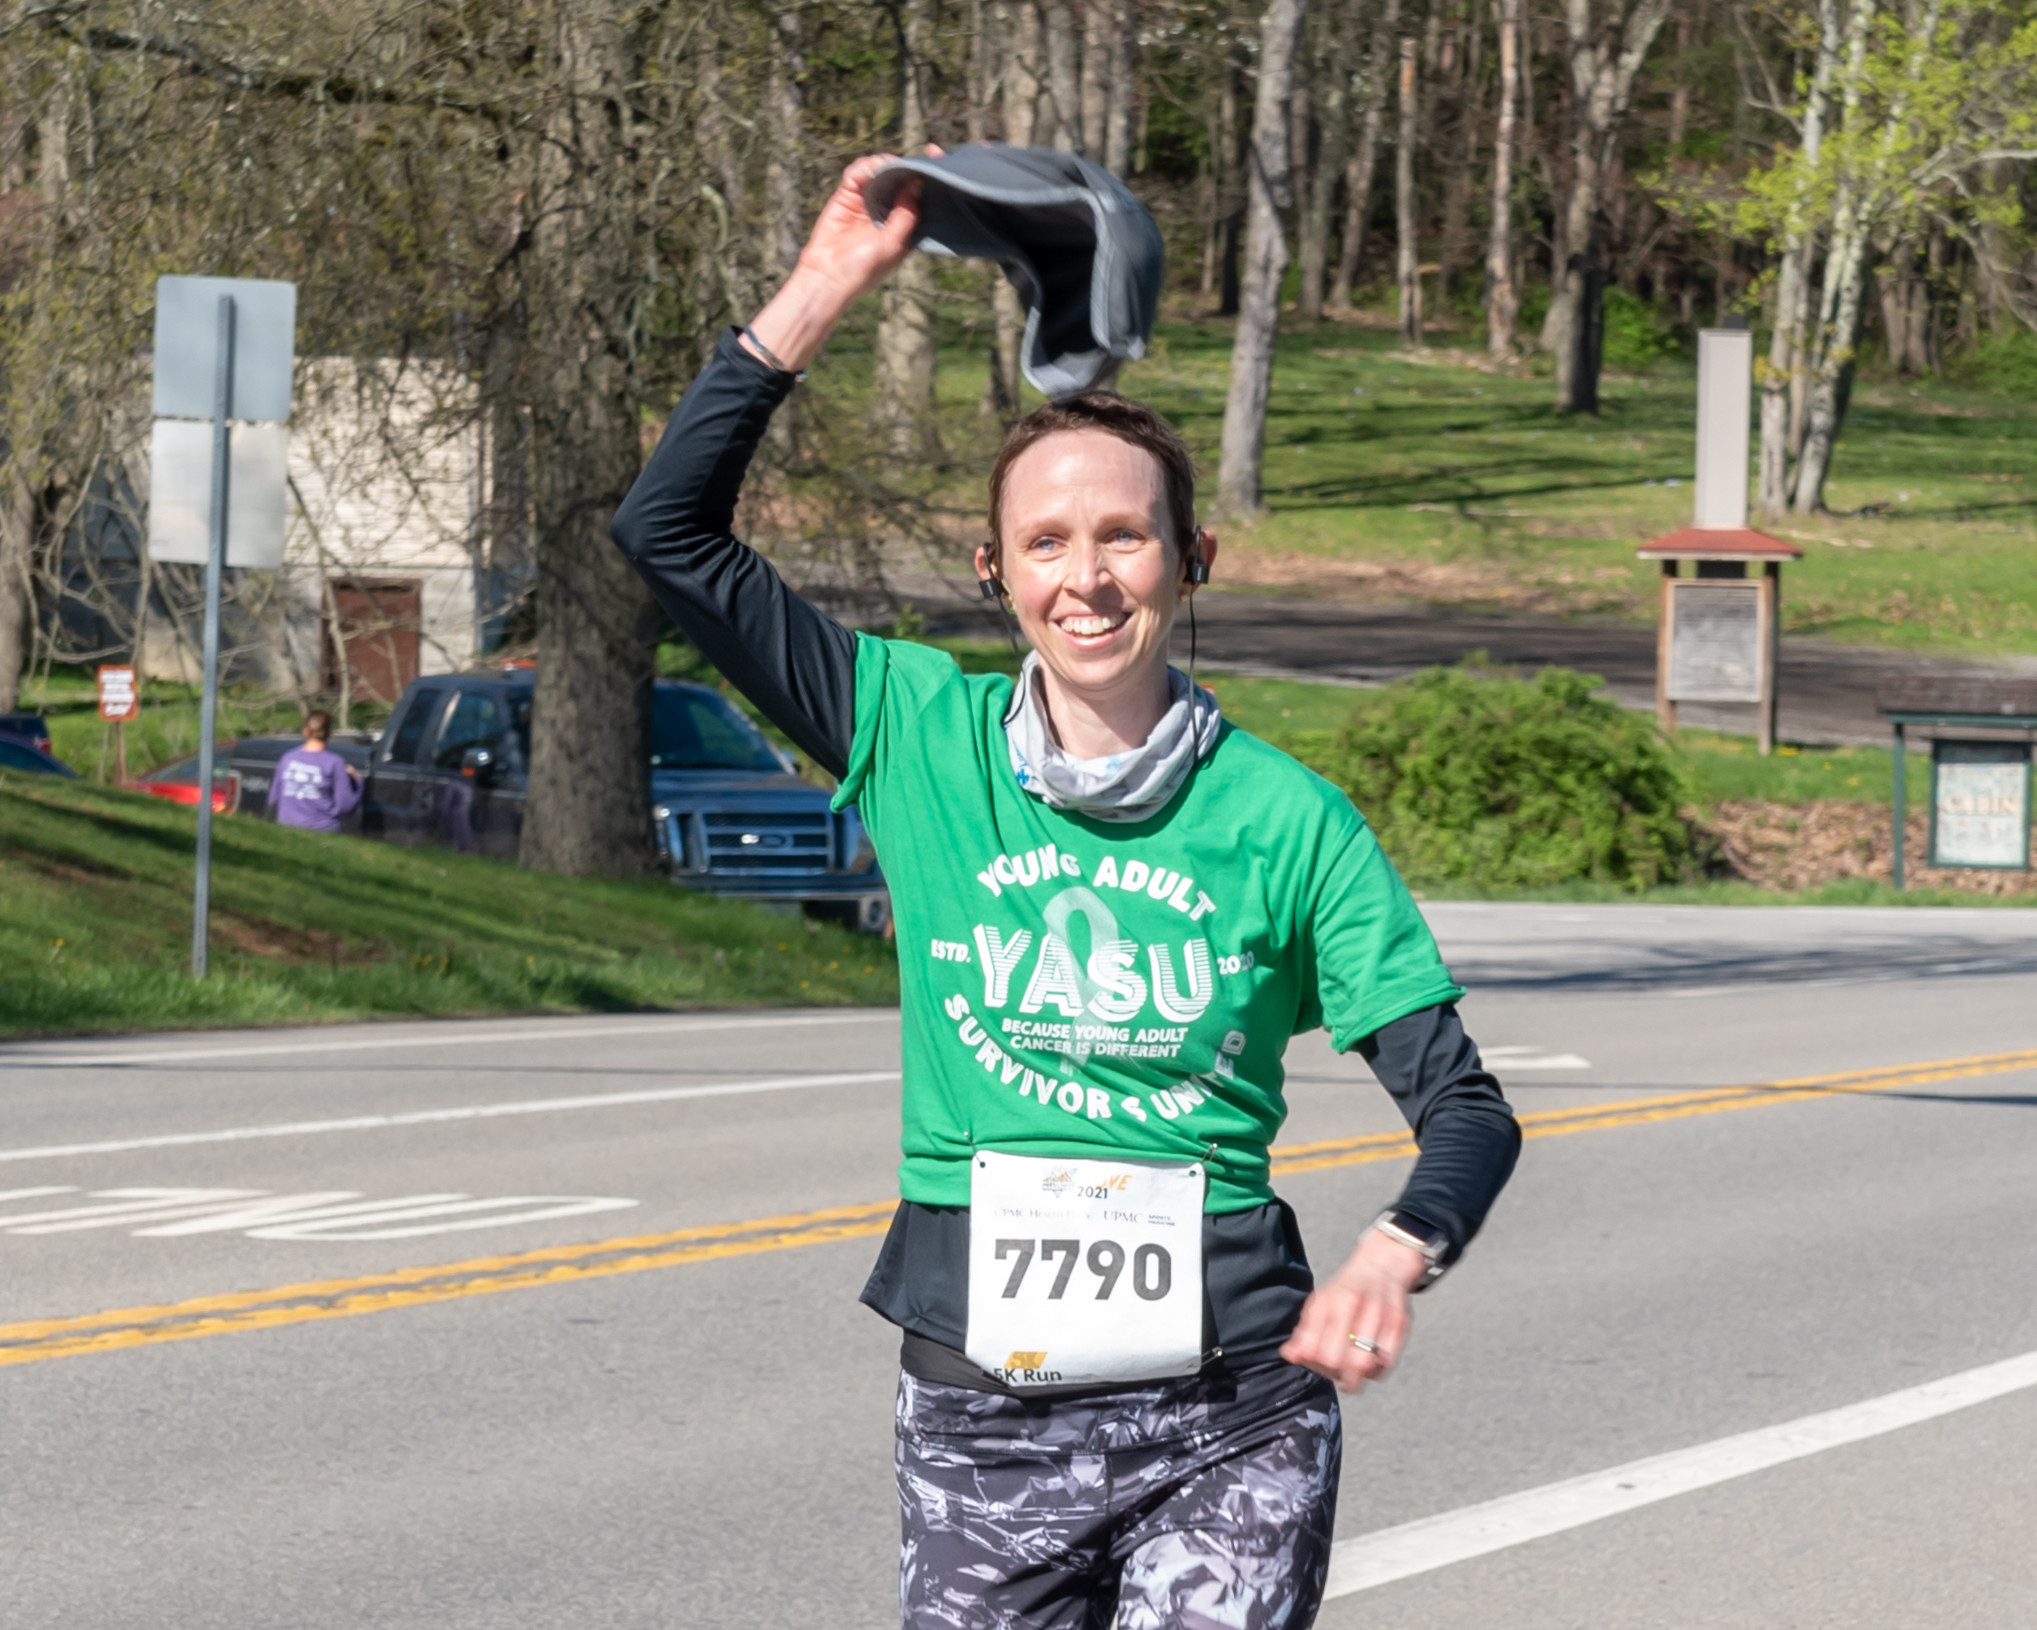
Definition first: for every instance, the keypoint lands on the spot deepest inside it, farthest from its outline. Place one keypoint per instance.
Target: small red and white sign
(118, 698)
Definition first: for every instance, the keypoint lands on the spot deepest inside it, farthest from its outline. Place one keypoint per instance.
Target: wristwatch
(1409, 1230)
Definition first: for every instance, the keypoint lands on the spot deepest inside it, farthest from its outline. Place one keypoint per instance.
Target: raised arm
(793, 661)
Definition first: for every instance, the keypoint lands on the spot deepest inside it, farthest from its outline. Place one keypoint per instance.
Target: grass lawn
(1432, 479)
(95, 929)
(1487, 498)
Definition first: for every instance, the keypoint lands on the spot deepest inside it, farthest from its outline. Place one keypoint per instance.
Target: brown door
(377, 623)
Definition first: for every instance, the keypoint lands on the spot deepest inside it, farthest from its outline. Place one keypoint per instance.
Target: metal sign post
(251, 326)
(215, 568)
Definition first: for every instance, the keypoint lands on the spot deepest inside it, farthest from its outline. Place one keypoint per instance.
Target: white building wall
(386, 465)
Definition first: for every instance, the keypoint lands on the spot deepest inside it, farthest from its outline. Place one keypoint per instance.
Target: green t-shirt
(1074, 987)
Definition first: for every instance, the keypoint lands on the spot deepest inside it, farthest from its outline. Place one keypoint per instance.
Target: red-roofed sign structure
(1718, 630)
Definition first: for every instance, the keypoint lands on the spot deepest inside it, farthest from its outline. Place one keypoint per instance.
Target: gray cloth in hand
(1083, 253)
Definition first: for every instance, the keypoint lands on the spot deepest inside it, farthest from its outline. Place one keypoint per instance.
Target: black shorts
(1200, 1504)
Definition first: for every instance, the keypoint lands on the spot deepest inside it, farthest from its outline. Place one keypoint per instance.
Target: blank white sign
(187, 346)
(1715, 650)
(180, 493)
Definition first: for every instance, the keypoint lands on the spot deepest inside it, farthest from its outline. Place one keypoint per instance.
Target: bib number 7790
(1152, 1266)
(1084, 1271)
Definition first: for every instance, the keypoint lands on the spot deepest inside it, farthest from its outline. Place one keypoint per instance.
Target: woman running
(1113, 909)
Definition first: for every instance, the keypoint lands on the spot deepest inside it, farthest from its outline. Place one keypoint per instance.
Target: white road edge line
(1479, 1530)
(11, 1059)
(466, 1112)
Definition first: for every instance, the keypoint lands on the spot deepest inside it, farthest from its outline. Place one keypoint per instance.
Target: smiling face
(1086, 554)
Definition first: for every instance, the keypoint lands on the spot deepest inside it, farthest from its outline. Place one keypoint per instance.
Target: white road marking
(1531, 1058)
(332, 1215)
(465, 1112)
(1514, 1519)
(13, 1058)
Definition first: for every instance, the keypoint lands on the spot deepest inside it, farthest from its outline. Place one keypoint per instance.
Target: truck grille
(775, 844)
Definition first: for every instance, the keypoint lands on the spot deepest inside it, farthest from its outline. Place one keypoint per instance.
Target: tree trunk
(1231, 194)
(1407, 264)
(1334, 67)
(1604, 58)
(1840, 297)
(1018, 32)
(589, 808)
(1096, 74)
(17, 551)
(905, 328)
(1120, 92)
(1679, 96)
(1269, 192)
(1064, 91)
(1454, 252)
(1780, 380)
(1503, 302)
(1364, 164)
(1832, 385)
(785, 97)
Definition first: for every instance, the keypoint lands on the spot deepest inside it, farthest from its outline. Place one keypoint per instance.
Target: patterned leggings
(1182, 1505)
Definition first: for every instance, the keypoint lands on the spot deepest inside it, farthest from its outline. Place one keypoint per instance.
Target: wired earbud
(993, 590)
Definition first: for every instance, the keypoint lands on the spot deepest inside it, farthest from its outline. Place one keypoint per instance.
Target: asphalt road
(1826, 690)
(644, 1394)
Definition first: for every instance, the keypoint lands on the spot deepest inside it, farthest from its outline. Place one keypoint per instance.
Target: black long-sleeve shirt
(797, 665)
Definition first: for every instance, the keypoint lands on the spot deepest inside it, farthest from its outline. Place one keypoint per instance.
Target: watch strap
(1417, 1234)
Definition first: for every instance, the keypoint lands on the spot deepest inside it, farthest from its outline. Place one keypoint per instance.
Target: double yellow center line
(30, 1342)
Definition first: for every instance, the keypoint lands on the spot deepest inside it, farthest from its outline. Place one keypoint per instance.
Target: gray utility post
(215, 569)
(245, 330)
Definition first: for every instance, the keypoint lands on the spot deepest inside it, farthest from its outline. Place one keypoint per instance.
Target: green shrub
(1475, 776)
(2004, 361)
(1635, 334)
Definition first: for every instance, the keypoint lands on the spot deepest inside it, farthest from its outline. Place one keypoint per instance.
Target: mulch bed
(1805, 846)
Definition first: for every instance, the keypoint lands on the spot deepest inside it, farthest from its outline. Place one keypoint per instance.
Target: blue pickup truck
(452, 768)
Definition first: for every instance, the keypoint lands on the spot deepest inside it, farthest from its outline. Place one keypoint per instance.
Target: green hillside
(95, 929)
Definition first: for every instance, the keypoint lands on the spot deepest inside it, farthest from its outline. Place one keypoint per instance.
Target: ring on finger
(1362, 1344)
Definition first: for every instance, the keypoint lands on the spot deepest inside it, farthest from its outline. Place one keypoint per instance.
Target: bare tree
(1503, 301)
(1332, 67)
(588, 808)
(1364, 161)
(906, 336)
(1064, 90)
(1781, 379)
(1018, 39)
(1607, 44)
(785, 108)
(1120, 92)
(1268, 193)
(1407, 256)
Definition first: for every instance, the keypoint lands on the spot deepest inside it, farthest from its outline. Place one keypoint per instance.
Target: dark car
(17, 753)
(253, 759)
(452, 768)
(32, 728)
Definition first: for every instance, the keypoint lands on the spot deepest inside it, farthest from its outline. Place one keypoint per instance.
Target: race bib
(1084, 1271)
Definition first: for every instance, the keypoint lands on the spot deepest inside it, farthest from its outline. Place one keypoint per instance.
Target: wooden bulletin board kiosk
(1718, 631)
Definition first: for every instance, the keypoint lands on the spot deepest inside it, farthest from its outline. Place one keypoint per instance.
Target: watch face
(1429, 1237)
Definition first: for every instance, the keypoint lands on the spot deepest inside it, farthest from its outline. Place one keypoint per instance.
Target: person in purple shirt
(314, 786)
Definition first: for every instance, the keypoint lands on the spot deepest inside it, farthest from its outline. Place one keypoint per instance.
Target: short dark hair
(1117, 416)
(318, 723)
